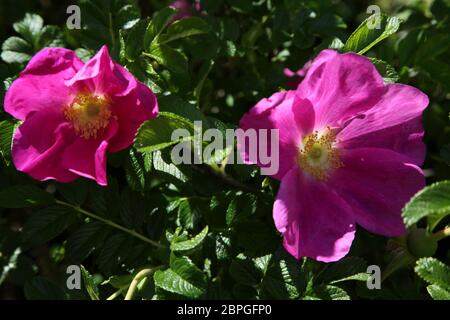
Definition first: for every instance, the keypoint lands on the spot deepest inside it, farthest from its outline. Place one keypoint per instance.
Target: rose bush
(88, 177)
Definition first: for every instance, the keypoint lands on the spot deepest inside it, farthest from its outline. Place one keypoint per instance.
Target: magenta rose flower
(350, 148)
(73, 113)
(295, 77)
(184, 8)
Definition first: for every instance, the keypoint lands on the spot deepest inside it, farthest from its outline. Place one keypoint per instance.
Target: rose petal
(394, 123)
(131, 111)
(87, 157)
(285, 111)
(314, 220)
(41, 85)
(39, 154)
(340, 86)
(377, 183)
(102, 76)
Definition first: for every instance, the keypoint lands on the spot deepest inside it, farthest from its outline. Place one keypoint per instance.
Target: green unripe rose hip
(421, 243)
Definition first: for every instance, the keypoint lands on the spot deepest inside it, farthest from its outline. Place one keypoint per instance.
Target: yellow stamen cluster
(318, 156)
(89, 114)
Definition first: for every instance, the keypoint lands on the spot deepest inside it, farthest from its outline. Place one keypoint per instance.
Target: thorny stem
(137, 278)
(111, 224)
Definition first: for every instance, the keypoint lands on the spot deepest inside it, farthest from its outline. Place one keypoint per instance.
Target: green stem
(115, 294)
(111, 30)
(444, 233)
(111, 224)
(399, 261)
(224, 177)
(137, 278)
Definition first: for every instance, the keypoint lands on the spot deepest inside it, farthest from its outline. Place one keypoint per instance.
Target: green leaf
(156, 134)
(386, 70)
(133, 208)
(244, 271)
(127, 16)
(169, 168)
(432, 48)
(23, 196)
(10, 264)
(114, 251)
(328, 292)
(133, 47)
(183, 278)
(202, 75)
(16, 50)
(158, 23)
(90, 285)
(172, 59)
(184, 28)
(187, 212)
(433, 202)
(102, 21)
(30, 27)
(40, 288)
(283, 278)
(137, 166)
(173, 282)
(75, 192)
(241, 206)
(190, 244)
(433, 271)
(438, 71)
(356, 277)
(51, 36)
(120, 281)
(256, 237)
(174, 104)
(223, 246)
(349, 268)
(84, 241)
(7, 128)
(438, 293)
(48, 223)
(368, 34)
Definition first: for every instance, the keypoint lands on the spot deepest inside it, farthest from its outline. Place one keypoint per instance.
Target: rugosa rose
(73, 113)
(295, 77)
(185, 8)
(350, 151)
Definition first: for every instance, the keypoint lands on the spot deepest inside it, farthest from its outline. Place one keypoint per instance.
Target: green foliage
(437, 275)
(207, 228)
(6, 134)
(40, 288)
(34, 36)
(191, 244)
(432, 202)
(183, 278)
(434, 272)
(23, 196)
(157, 133)
(374, 29)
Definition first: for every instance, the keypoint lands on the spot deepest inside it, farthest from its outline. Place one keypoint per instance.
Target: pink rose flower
(350, 151)
(73, 113)
(184, 8)
(295, 77)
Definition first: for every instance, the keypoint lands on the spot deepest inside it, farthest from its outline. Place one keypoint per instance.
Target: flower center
(89, 114)
(318, 155)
